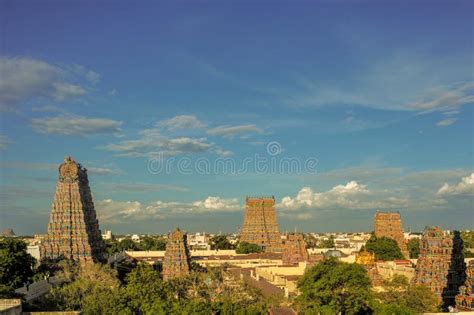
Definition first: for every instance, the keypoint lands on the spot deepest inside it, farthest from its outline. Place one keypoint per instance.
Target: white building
(107, 235)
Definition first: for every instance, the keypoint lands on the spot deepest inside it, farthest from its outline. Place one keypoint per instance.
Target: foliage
(329, 243)
(332, 286)
(16, 265)
(384, 248)
(409, 299)
(414, 248)
(310, 240)
(221, 242)
(146, 243)
(92, 289)
(247, 248)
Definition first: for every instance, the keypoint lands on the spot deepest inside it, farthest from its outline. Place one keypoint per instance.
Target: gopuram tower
(176, 262)
(73, 229)
(294, 249)
(440, 265)
(260, 224)
(389, 224)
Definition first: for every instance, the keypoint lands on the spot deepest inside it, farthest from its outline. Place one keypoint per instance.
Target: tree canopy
(332, 286)
(16, 265)
(414, 248)
(384, 248)
(221, 242)
(247, 248)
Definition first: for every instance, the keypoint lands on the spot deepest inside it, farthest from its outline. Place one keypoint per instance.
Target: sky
(181, 109)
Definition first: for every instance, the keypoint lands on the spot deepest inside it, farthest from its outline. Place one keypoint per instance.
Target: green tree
(332, 286)
(151, 243)
(16, 265)
(147, 293)
(329, 243)
(247, 248)
(92, 289)
(420, 299)
(384, 248)
(414, 248)
(220, 242)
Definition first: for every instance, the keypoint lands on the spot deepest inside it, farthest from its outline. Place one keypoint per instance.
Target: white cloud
(345, 196)
(446, 122)
(76, 125)
(4, 142)
(65, 91)
(23, 79)
(182, 122)
(142, 187)
(465, 187)
(119, 211)
(227, 131)
(445, 98)
(152, 143)
(104, 171)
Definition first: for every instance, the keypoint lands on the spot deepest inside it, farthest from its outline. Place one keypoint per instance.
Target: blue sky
(371, 102)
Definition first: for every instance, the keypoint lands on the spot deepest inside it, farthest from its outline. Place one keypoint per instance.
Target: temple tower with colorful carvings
(294, 249)
(176, 262)
(440, 265)
(389, 224)
(73, 229)
(260, 224)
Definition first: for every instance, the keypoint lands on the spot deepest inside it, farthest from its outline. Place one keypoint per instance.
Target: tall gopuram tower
(176, 262)
(389, 224)
(440, 265)
(260, 224)
(73, 229)
(294, 249)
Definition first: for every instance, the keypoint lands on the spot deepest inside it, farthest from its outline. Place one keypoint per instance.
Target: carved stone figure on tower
(73, 228)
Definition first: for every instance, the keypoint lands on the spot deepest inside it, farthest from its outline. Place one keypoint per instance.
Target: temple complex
(389, 224)
(440, 265)
(176, 262)
(260, 224)
(294, 249)
(465, 298)
(367, 260)
(73, 229)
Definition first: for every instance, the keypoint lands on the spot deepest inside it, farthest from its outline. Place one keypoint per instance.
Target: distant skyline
(371, 102)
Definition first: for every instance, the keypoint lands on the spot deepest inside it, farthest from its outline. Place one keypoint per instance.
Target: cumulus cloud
(23, 79)
(76, 125)
(143, 187)
(345, 196)
(182, 122)
(465, 187)
(116, 211)
(227, 131)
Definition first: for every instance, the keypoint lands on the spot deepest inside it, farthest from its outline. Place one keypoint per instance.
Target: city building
(107, 235)
(260, 224)
(176, 262)
(440, 265)
(389, 224)
(199, 241)
(73, 229)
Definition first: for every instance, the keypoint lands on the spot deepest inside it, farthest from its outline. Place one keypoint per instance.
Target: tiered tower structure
(440, 265)
(294, 249)
(465, 298)
(176, 262)
(389, 224)
(260, 224)
(73, 229)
